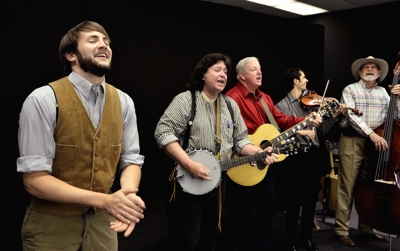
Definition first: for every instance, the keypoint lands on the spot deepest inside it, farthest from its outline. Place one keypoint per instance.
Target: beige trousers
(351, 156)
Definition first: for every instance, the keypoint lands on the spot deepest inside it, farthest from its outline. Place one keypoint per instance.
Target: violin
(312, 99)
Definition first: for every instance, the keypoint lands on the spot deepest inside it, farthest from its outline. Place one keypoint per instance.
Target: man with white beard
(373, 101)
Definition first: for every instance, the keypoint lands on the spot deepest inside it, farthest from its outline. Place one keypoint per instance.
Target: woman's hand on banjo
(198, 170)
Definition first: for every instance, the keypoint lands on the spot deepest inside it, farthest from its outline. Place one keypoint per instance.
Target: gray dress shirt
(38, 120)
(292, 107)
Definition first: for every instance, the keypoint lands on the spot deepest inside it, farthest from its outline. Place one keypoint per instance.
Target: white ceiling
(331, 5)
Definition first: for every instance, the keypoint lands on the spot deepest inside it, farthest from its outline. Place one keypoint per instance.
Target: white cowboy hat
(382, 64)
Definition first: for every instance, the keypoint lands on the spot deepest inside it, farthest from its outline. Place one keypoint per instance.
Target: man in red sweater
(247, 95)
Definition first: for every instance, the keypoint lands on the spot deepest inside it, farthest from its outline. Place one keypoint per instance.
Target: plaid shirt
(372, 102)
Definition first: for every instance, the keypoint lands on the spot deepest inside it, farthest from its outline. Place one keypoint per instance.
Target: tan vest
(85, 157)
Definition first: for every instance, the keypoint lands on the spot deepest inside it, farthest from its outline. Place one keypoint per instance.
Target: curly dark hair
(196, 81)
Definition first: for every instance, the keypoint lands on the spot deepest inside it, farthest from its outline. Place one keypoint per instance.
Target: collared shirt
(172, 125)
(253, 111)
(372, 102)
(38, 120)
(291, 106)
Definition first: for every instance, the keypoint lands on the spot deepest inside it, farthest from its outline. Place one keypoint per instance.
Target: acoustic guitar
(328, 191)
(267, 135)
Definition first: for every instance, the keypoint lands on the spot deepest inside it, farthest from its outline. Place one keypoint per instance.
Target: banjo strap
(218, 142)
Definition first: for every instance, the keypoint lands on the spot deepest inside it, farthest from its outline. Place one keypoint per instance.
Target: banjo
(205, 156)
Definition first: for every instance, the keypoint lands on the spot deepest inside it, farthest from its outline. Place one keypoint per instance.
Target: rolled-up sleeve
(173, 122)
(130, 153)
(35, 134)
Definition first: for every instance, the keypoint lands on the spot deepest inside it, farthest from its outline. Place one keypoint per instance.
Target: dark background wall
(354, 34)
(156, 44)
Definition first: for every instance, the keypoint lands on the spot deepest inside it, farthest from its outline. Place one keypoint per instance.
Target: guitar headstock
(328, 108)
(328, 145)
(287, 147)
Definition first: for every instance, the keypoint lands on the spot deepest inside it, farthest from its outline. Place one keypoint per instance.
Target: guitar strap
(269, 115)
(218, 142)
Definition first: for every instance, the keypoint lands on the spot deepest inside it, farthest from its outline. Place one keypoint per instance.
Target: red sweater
(253, 112)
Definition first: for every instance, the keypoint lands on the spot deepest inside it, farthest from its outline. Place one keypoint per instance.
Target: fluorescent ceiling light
(291, 6)
(272, 2)
(300, 8)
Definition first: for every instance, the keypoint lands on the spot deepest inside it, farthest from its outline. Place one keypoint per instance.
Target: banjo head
(200, 186)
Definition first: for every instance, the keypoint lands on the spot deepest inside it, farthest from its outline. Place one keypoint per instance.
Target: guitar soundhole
(265, 143)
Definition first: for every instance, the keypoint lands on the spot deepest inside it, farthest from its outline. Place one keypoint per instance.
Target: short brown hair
(69, 43)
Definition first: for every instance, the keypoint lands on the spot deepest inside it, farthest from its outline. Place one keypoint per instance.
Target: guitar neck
(331, 160)
(228, 164)
(288, 133)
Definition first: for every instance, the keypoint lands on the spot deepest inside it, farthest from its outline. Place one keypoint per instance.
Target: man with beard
(73, 135)
(373, 101)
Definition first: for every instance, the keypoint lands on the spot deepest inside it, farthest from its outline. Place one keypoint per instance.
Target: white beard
(368, 78)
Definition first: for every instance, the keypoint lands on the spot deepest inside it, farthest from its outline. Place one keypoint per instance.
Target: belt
(307, 148)
(350, 132)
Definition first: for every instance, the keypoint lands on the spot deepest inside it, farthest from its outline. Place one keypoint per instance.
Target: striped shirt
(172, 124)
(372, 102)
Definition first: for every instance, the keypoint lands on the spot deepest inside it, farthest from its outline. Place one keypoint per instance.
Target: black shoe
(308, 245)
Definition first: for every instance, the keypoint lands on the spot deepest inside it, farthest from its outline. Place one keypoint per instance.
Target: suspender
(193, 113)
(190, 122)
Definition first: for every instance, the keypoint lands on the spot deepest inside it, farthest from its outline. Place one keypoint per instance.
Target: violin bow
(323, 96)
(322, 100)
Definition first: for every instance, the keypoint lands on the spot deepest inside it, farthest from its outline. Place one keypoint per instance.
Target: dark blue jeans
(193, 221)
(243, 199)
